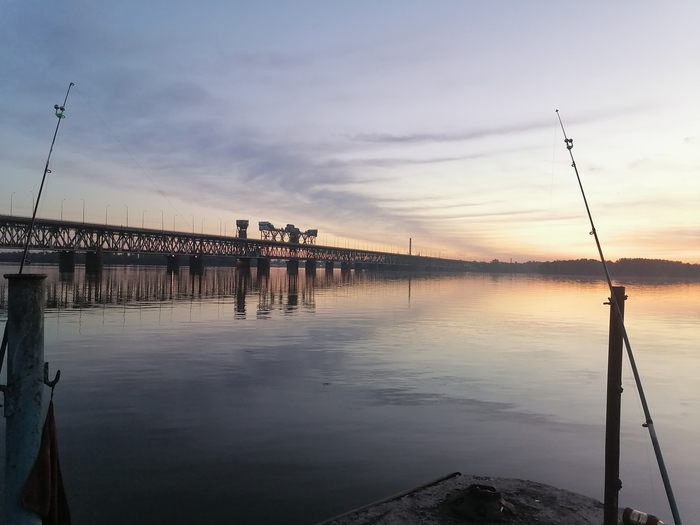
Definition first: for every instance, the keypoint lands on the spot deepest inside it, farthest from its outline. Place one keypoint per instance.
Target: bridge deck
(55, 235)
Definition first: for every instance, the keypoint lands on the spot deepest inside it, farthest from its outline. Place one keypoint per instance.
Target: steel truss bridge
(66, 236)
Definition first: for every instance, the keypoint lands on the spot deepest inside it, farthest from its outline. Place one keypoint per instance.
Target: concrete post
(25, 388)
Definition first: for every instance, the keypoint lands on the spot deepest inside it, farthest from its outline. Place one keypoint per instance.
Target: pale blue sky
(371, 121)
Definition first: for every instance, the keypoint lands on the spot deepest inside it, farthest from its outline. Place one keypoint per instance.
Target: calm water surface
(241, 400)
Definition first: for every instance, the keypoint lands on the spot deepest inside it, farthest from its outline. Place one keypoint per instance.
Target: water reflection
(320, 394)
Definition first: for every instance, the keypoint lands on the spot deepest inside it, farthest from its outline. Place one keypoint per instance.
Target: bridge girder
(56, 235)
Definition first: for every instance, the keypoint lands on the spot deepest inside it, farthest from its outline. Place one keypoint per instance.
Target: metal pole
(83, 209)
(612, 412)
(24, 391)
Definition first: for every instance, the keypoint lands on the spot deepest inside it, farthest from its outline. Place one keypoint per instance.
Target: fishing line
(648, 423)
(132, 158)
(59, 112)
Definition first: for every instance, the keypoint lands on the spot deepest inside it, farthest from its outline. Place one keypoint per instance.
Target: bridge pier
(263, 266)
(345, 267)
(94, 261)
(357, 266)
(329, 266)
(197, 264)
(172, 263)
(66, 261)
(310, 267)
(292, 266)
(243, 264)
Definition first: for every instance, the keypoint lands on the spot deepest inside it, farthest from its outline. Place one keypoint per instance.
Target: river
(232, 399)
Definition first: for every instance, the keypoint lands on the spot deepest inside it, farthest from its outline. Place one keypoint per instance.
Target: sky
(374, 122)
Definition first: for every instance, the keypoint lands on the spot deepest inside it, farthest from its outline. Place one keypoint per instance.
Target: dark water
(241, 400)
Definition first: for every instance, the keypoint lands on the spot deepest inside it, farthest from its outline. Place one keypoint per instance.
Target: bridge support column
(172, 263)
(373, 267)
(243, 264)
(94, 262)
(292, 266)
(197, 264)
(345, 267)
(357, 266)
(310, 267)
(329, 266)
(263, 266)
(66, 261)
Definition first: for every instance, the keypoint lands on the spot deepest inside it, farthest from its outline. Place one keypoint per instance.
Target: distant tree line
(624, 268)
(592, 267)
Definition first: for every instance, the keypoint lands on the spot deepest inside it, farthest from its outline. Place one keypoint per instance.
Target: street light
(64, 200)
(219, 226)
(191, 215)
(32, 202)
(11, 198)
(143, 218)
(83, 209)
(162, 221)
(225, 228)
(203, 226)
(127, 215)
(107, 208)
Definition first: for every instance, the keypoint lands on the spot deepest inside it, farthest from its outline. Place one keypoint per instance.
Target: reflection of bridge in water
(94, 240)
(144, 287)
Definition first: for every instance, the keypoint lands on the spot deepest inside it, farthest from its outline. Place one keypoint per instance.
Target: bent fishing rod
(59, 110)
(648, 423)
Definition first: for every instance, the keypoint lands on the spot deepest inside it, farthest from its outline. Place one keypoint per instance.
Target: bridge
(94, 240)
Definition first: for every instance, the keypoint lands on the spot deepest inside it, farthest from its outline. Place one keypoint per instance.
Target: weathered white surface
(535, 503)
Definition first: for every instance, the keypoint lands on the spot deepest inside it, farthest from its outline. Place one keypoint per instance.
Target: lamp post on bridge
(127, 215)
(219, 226)
(32, 211)
(203, 225)
(107, 208)
(191, 215)
(143, 218)
(162, 221)
(64, 200)
(11, 198)
(225, 228)
(83, 210)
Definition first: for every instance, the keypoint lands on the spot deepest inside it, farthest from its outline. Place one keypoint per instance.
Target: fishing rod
(59, 110)
(648, 423)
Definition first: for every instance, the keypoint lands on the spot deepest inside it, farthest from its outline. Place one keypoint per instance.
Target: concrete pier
(310, 267)
(172, 263)
(345, 267)
(243, 264)
(24, 390)
(329, 266)
(263, 266)
(66, 261)
(94, 261)
(292, 266)
(429, 504)
(197, 264)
